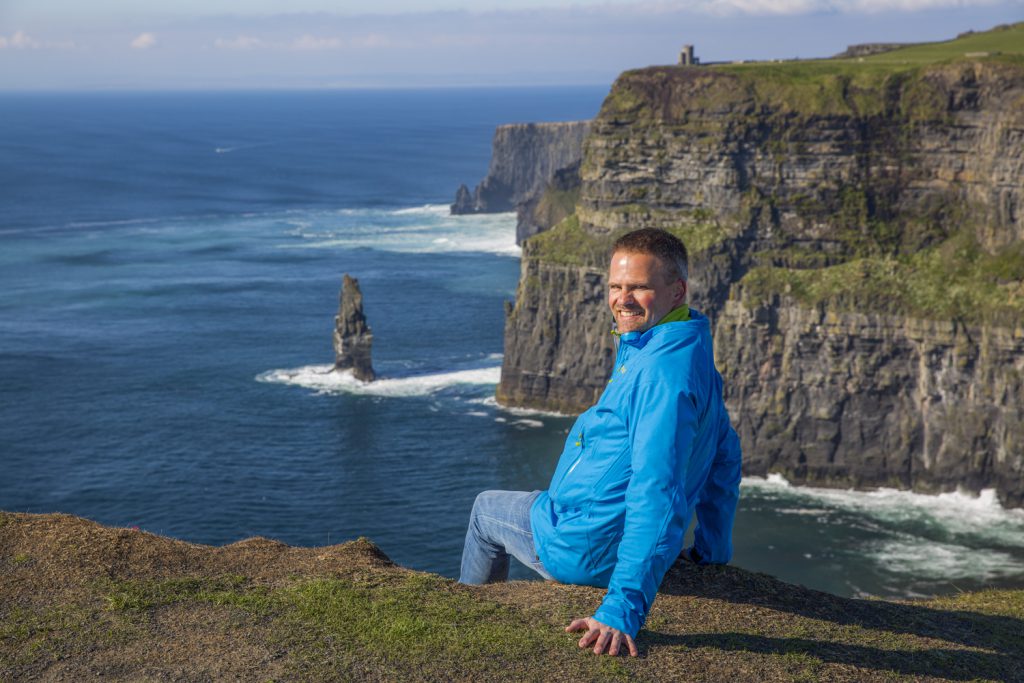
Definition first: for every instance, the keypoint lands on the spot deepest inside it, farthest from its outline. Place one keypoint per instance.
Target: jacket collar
(695, 323)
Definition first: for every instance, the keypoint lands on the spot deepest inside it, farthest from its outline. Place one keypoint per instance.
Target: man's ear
(680, 298)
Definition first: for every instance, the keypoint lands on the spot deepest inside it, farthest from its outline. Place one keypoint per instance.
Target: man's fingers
(589, 637)
(576, 625)
(602, 637)
(602, 641)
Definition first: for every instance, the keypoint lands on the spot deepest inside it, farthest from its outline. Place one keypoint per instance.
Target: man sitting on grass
(656, 447)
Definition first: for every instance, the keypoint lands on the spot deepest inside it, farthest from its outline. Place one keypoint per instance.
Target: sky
(254, 44)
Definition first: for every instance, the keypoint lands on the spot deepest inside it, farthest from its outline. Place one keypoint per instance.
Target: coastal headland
(856, 228)
(82, 601)
(530, 162)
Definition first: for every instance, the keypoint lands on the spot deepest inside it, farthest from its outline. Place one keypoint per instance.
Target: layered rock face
(856, 239)
(855, 399)
(525, 158)
(353, 339)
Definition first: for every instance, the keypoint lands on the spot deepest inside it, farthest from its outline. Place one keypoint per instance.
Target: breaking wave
(932, 540)
(932, 561)
(324, 379)
(423, 229)
(492, 402)
(949, 515)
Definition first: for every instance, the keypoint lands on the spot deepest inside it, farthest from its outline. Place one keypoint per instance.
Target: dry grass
(79, 601)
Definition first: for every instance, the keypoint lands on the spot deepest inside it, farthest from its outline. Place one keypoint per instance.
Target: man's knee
(484, 499)
(481, 504)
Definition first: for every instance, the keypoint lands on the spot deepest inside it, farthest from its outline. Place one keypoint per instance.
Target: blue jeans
(499, 526)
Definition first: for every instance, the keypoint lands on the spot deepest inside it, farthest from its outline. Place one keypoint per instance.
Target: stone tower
(686, 57)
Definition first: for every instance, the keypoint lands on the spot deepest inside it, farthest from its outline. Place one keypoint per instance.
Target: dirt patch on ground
(80, 601)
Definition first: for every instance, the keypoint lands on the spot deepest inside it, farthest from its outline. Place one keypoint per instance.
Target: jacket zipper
(579, 456)
(582, 447)
(580, 443)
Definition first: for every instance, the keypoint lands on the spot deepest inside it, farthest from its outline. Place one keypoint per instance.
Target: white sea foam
(533, 424)
(426, 229)
(325, 380)
(958, 514)
(492, 402)
(929, 560)
(235, 148)
(426, 209)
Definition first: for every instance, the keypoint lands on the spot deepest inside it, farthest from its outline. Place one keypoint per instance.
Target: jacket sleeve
(716, 509)
(662, 430)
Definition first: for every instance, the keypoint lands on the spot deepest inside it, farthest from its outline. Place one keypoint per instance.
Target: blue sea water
(169, 272)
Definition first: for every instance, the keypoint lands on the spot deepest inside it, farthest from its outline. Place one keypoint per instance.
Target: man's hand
(601, 636)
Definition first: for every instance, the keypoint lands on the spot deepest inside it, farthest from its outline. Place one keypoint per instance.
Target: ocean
(169, 272)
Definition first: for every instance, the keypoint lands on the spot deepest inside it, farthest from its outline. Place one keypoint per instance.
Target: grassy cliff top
(1005, 40)
(79, 601)
(906, 82)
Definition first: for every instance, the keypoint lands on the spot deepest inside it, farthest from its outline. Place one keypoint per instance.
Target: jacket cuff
(618, 616)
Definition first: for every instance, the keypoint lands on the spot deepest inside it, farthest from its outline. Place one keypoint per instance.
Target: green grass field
(1006, 40)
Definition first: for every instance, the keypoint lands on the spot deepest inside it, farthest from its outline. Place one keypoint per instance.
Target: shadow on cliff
(999, 640)
(948, 664)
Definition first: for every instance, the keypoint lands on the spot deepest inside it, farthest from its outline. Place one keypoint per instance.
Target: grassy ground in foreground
(79, 601)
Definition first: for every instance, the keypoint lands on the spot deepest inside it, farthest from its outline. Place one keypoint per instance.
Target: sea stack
(352, 336)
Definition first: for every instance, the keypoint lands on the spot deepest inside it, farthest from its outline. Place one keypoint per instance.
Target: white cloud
(22, 41)
(239, 43)
(373, 40)
(309, 42)
(144, 41)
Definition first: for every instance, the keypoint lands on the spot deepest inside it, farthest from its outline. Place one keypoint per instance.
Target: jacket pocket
(602, 543)
(599, 445)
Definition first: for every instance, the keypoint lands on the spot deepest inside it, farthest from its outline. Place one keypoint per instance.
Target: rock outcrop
(868, 49)
(857, 238)
(353, 339)
(525, 157)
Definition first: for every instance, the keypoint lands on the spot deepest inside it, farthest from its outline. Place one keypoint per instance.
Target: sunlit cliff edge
(81, 601)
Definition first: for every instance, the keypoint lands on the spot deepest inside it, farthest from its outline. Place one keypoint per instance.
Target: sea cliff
(855, 229)
(525, 160)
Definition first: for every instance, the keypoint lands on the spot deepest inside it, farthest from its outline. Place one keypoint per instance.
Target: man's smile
(641, 290)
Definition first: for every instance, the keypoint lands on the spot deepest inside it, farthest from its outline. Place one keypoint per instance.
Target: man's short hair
(656, 242)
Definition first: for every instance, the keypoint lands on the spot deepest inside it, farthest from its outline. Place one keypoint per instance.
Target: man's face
(641, 291)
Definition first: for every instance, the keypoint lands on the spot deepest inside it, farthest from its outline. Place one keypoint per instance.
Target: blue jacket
(657, 445)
